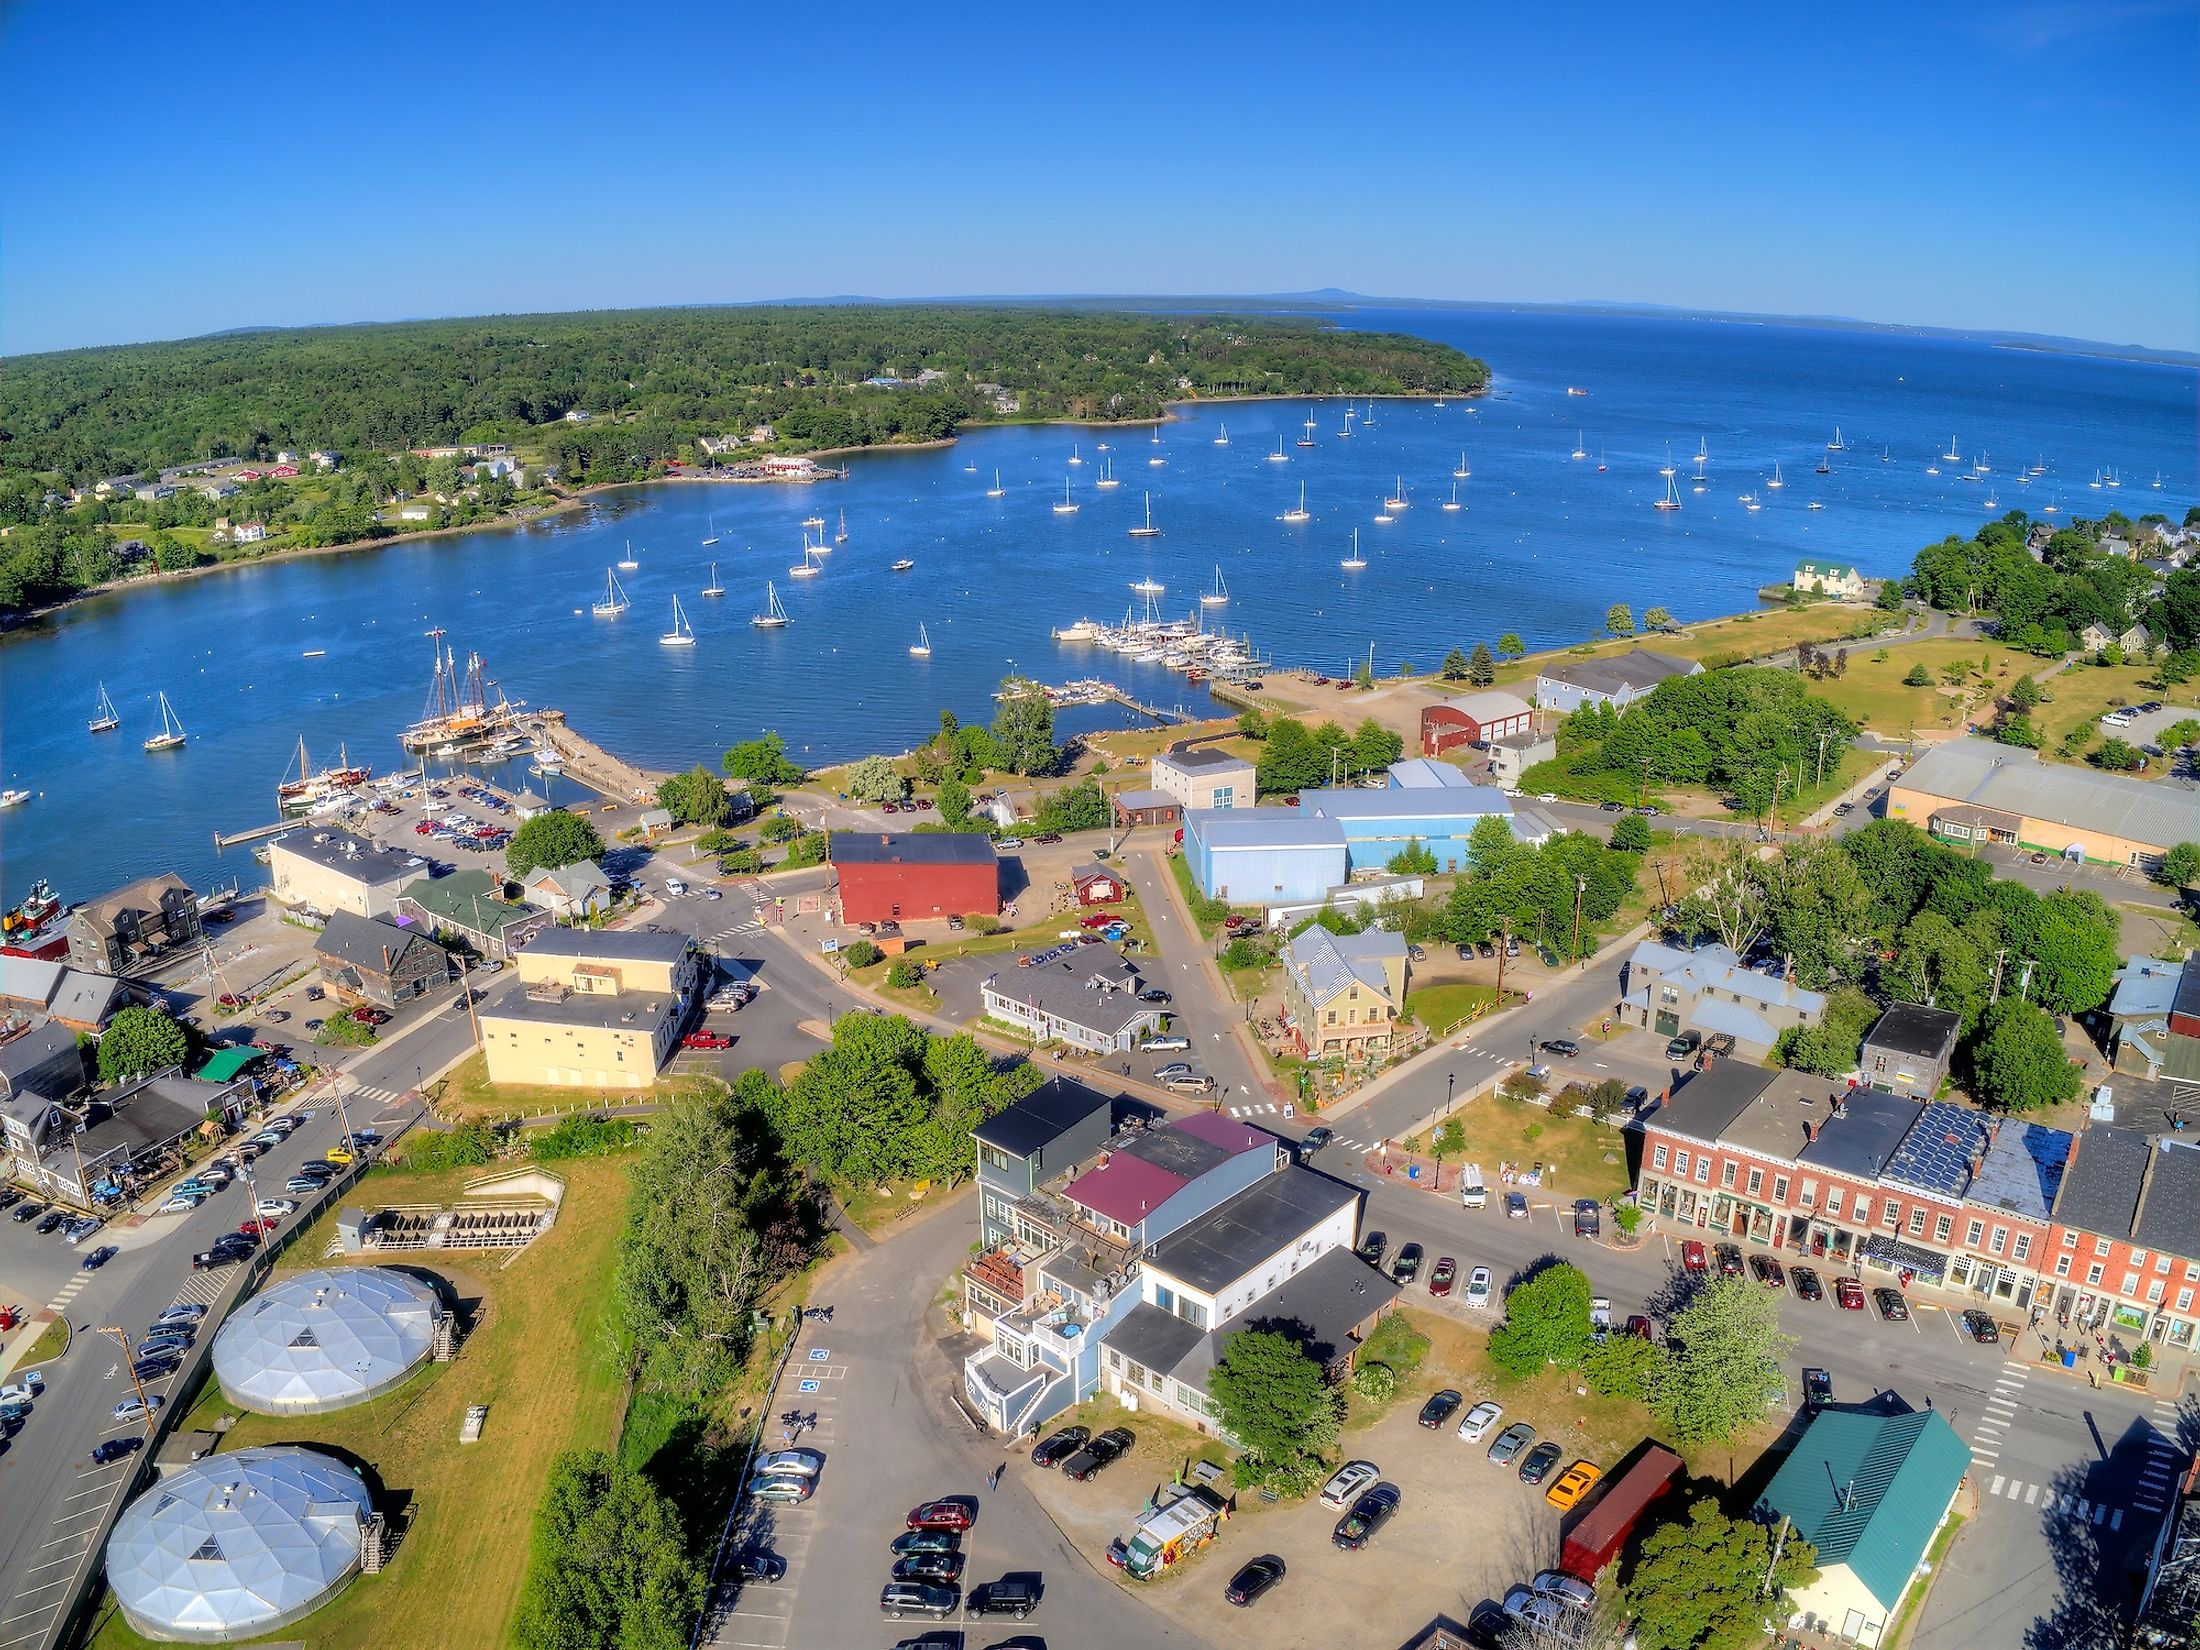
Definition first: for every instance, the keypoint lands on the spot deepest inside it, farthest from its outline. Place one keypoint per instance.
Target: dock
(588, 763)
(256, 833)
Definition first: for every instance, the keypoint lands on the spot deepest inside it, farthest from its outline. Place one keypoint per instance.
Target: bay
(1544, 543)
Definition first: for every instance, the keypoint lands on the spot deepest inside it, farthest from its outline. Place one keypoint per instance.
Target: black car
(1315, 1139)
(1807, 1286)
(157, 1366)
(1053, 1451)
(1614, 807)
(1892, 1306)
(1407, 1266)
(1564, 1047)
(1015, 1596)
(1981, 1327)
(9, 1197)
(1103, 1450)
(1767, 1271)
(935, 1567)
(1154, 994)
(927, 1541)
(1369, 1514)
(917, 1598)
(1372, 1247)
(114, 1449)
(1730, 1259)
(51, 1223)
(1588, 1218)
(1485, 950)
(1817, 1388)
(1441, 1407)
(1536, 1465)
(29, 1211)
(1254, 1579)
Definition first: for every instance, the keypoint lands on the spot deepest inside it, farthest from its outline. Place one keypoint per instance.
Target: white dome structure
(237, 1545)
(326, 1340)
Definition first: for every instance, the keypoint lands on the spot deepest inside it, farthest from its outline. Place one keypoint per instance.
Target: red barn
(1474, 719)
(894, 878)
(1096, 885)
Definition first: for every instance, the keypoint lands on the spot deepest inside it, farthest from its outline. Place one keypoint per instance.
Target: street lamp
(1451, 1078)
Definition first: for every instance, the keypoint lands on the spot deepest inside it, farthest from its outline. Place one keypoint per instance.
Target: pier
(588, 763)
(255, 833)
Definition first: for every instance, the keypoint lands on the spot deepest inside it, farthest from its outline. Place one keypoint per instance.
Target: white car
(786, 1463)
(132, 1407)
(1479, 1420)
(23, 1391)
(1478, 1287)
(1354, 1476)
(272, 1208)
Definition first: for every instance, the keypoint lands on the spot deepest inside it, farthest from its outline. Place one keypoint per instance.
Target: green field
(1437, 1006)
(540, 1355)
(1755, 634)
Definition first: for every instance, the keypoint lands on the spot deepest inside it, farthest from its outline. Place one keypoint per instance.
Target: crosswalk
(2098, 1513)
(2165, 1456)
(1999, 1411)
(69, 1291)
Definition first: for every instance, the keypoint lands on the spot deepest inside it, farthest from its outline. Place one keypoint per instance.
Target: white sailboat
(1672, 499)
(613, 601)
(1354, 562)
(1157, 458)
(1951, 456)
(1279, 456)
(921, 648)
(1345, 434)
(996, 489)
(171, 730)
(627, 563)
(1397, 499)
(774, 617)
(1776, 480)
(714, 588)
(1581, 448)
(104, 719)
(1667, 468)
(809, 568)
(1068, 506)
(2157, 482)
(710, 536)
(681, 634)
(1462, 472)
(1307, 440)
(1107, 476)
(1834, 446)
(1383, 518)
(1223, 440)
(1300, 513)
(1452, 503)
(840, 534)
(820, 547)
(1367, 419)
(2052, 507)
(1075, 456)
(1703, 453)
(1219, 596)
(1149, 531)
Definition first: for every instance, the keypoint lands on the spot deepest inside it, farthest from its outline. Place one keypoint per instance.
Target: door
(1668, 1023)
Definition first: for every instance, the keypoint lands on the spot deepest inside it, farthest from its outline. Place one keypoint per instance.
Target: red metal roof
(1124, 1188)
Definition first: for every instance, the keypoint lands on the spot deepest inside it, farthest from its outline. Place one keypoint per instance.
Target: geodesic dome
(325, 1340)
(237, 1545)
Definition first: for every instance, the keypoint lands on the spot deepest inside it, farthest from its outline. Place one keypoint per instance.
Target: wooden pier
(255, 833)
(588, 763)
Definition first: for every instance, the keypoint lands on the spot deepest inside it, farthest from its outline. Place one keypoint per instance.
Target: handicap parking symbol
(809, 1386)
(818, 1354)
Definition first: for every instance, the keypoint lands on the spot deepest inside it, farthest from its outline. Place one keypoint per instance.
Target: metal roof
(1224, 829)
(1744, 1025)
(325, 1340)
(912, 848)
(1635, 671)
(238, 1544)
(1868, 1491)
(1421, 773)
(1222, 1245)
(1488, 705)
(1936, 1155)
(1994, 775)
(1048, 1112)
(1717, 968)
(1326, 963)
(1448, 802)
(2146, 987)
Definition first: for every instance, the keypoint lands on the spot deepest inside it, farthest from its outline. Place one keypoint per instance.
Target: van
(1473, 1194)
(675, 887)
(1166, 1045)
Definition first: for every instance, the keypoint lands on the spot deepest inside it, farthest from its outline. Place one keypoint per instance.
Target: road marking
(2100, 1511)
(2116, 1519)
(1986, 1454)
(1998, 1482)
(2032, 1495)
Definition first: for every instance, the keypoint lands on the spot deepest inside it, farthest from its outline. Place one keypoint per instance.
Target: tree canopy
(2018, 1062)
(1721, 1370)
(551, 838)
(1546, 1322)
(696, 797)
(1023, 727)
(1275, 1400)
(1700, 1582)
(609, 1563)
(762, 761)
(139, 1040)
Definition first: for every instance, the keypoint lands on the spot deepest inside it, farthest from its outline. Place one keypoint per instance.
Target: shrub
(982, 924)
(861, 954)
(466, 1147)
(1628, 1218)
(583, 1137)
(780, 828)
(1919, 676)
(905, 975)
(1377, 1383)
(1241, 954)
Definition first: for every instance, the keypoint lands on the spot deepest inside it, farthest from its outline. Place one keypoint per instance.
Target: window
(2001, 1239)
(1779, 1188)
(2062, 1266)
(2138, 1257)
(1810, 1193)
(2093, 1274)
(1756, 1183)
(1972, 1233)
(2024, 1245)
(1703, 1171)
(2192, 1272)
(2161, 1265)
(1944, 1228)
(2184, 1300)
(1917, 1220)
(1833, 1200)
(2100, 1246)
(2070, 1240)
(1892, 1217)
(1115, 1358)
(1863, 1209)
(2131, 1284)
(1657, 1157)
(1729, 1172)
(1680, 1163)
(1164, 1297)
(2154, 1293)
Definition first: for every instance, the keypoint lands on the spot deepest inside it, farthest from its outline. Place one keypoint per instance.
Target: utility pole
(343, 1118)
(1822, 759)
(122, 1339)
(466, 984)
(1779, 1542)
(1504, 945)
(1999, 957)
(2024, 984)
(1581, 887)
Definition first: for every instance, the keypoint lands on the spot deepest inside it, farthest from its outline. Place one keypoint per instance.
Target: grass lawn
(540, 1356)
(467, 1092)
(1873, 691)
(53, 1340)
(1437, 1006)
(2081, 695)
(1573, 1150)
(1753, 633)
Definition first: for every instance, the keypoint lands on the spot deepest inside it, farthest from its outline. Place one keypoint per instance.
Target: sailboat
(104, 719)
(1601, 465)
(1703, 452)
(1825, 466)
(614, 599)
(2052, 507)
(1951, 456)
(1075, 457)
(2115, 480)
(1667, 469)
(1776, 480)
(1834, 446)
(681, 634)
(1299, 514)
(627, 563)
(1157, 458)
(1367, 419)
(714, 588)
(996, 489)
(1452, 503)
(1354, 562)
(2040, 468)
(1307, 440)
(1384, 517)
(921, 648)
(1982, 466)
(1217, 597)
(1886, 455)
(1990, 502)
(820, 547)
(1223, 440)
(1149, 531)
(774, 617)
(711, 536)
(1279, 456)
(2157, 482)
(1699, 481)
(1345, 434)
(171, 730)
(1672, 500)
(809, 568)
(840, 534)
(1581, 449)
(1068, 506)
(1107, 476)
(1462, 472)
(1397, 499)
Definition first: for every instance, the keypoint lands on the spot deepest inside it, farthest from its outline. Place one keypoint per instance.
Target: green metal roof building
(471, 904)
(1868, 1490)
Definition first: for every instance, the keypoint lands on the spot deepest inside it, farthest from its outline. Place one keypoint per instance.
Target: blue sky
(179, 170)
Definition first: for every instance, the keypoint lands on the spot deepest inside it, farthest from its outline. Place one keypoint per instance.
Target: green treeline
(662, 376)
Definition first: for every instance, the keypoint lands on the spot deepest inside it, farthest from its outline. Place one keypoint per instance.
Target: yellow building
(327, 871)
(1977, 792)
(591, 1009)
(1342, 992)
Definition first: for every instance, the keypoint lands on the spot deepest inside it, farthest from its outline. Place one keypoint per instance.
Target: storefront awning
(1925, 1263)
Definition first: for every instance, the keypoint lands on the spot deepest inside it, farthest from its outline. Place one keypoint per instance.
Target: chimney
(1810, 1131)
(1993, 1132)
(387, 959)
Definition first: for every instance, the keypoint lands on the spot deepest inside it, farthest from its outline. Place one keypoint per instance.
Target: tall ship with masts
(303, 789)
(459, 711)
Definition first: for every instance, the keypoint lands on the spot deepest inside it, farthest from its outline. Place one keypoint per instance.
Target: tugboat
(31, 920)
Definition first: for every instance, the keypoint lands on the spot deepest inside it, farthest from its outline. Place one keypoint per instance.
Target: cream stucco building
(331, 871)
(591, 1009)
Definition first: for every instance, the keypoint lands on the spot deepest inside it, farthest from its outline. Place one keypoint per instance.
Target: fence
(740, 1495)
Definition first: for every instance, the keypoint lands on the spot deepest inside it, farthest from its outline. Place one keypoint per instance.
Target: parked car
(1543, 1616)
(114, 1449)
(791, 1463)
(1641, 1328)
(1892, 1306)
(1154, 994)
(1817, 1388)
(1478, 1287)
(1573, 1484)
(1848, 1294)
(1982, 1327)
(51, 1223)
(274, 1208)
(1565, 1588)
(28, 1211)
(33, 1384)
(1516, 1206)
(1510, 1443)
(926, 1541)
(1347, 1482)
(1684, 1046)
(158, 1367)
(706, 1039)
(1441, 1407)
(1014, 1596)
(1588, 1218)
(917, 1598)
(1254, 1579)
(933, 1567)
(1807, 1286)
(1767, 1271)
(1730, 1259)
(1479, 1420)
(1102, 1452)
(183, 1312)
(1370, 1513)
(1060, 1446)
(1441, 1280)
(134, 1408)
(1372, 1247)
(1407, 1266)
(303, 1183)
(784, 1488)
(1539, 1462)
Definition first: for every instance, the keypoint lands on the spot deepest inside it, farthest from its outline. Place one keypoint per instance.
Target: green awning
(224, 1064)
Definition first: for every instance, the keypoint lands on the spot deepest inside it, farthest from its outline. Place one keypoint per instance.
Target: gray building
(1618, 681)
(136, 926)
(1023, 1146)
(374, 960)
(1908, 1051)
(1082, 995)
(1670, 990)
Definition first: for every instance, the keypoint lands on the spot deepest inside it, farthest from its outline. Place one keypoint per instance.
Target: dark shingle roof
(2023, 1170)
(1153, 1338)
(367, 942)
(1704, 1106)
(1209, 757)
(1224, 1244)
(2100, 1191)
(1318, 1306)
(2169, 1216)
(1913, 1029)
(1864, 1136)
(929, 848)
(1045, 1114)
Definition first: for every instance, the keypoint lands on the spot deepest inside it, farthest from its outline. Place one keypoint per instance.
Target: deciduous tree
(1546, 1322)
(764, 761)
(1275, 1400)
(551, 838)
(696, 797)
(1700, 1583)
(609, 1563)
(875, 779)
(1725, 1372)
(139, 1040)
(1023, 726)
(2017, 1061)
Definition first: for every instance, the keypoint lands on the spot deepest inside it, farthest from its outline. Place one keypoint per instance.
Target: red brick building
(885, 877)
(1474, 719)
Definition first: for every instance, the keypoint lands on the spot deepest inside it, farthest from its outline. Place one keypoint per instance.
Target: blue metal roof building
(1378, 824)
(1263, 856)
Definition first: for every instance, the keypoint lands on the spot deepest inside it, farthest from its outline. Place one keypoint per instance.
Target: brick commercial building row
(2103, 1226)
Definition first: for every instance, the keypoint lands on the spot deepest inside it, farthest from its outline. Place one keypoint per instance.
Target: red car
(1440, 1280)
(706, 1039)
(424, 828)
(1848, 1294)
(941, 1515)
(1693, 1257)
(256, 1228)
